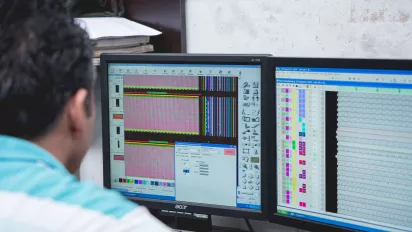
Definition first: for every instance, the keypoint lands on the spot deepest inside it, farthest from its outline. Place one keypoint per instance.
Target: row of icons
(249, 166)
(251, 186)
(173, 71)
(300, 86)
(254, 150)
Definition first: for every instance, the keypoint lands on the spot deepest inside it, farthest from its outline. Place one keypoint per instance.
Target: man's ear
(77, 114)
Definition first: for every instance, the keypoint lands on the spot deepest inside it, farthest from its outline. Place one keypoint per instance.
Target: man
(46, 126)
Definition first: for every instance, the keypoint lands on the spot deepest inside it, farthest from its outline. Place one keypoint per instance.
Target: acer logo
(180, 206)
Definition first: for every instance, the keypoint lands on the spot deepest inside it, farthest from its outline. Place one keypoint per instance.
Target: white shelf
(96, 61)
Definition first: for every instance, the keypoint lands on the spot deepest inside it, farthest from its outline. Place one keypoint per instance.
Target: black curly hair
(46, 57)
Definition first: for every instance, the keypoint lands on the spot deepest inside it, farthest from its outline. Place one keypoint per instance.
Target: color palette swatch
(145, 182)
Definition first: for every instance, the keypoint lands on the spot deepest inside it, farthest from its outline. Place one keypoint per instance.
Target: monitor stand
(190, 222)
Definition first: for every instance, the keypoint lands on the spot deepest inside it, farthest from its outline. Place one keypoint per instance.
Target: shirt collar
(16, 149)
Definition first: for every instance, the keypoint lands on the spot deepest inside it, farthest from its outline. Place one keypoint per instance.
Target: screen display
(344, 147)
(186, 133)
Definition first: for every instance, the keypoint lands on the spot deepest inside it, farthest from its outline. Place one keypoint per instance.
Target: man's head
(46, 78)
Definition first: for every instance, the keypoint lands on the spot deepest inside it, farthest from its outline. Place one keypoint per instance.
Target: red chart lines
(161, 113)
(150, 160)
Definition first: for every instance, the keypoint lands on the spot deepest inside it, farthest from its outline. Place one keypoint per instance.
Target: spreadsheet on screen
(344, 154)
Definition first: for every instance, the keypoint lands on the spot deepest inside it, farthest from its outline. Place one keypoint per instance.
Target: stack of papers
(118, 35)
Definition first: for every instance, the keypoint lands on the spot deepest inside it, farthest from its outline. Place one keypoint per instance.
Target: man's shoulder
(51, 200)
(38, 181)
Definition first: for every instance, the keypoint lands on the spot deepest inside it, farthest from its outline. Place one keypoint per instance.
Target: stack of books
(117, 35)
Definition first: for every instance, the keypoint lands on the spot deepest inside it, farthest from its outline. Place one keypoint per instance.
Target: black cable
(249, 225)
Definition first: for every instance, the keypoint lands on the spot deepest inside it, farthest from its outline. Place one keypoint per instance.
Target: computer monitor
(343, 144)
(185, 133)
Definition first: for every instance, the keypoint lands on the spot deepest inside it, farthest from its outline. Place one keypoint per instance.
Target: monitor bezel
(273, 62)
(105, 59)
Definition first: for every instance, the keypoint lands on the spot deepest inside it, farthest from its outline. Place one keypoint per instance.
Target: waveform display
(374, 150)
(161, 113)
(149, 159)
(218, 83)
(161, 82)
(220, 116)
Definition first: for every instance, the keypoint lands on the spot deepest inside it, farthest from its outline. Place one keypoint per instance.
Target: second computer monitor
(344, 142)
(185, 132)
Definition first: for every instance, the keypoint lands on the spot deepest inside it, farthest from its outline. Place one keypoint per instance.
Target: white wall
(321, 28)
(304, 28)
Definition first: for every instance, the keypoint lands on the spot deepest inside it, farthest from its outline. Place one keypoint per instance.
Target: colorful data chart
(161, 113)
(149, 159)
(220, 116)
(218, 84)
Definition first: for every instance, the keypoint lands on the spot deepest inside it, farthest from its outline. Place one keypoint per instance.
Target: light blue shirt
(37, 193)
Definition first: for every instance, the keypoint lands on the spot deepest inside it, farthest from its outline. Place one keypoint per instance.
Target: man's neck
(56, 146)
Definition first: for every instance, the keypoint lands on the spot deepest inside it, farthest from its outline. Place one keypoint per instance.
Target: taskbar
(338, 223)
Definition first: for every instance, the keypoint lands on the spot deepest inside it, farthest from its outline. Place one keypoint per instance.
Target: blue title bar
(248, 206)
(344, 83)
(342, 70)
(147, 196)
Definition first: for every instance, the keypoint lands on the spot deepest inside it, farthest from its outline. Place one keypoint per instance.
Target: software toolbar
(346, 75)
(182, 69)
